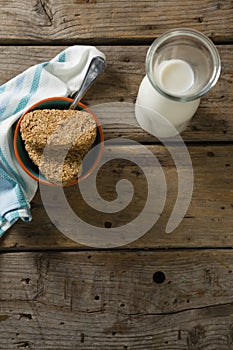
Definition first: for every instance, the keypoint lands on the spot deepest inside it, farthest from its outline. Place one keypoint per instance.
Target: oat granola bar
(59, 128)
(68, 136)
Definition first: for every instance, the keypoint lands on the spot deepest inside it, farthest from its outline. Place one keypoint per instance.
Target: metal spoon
(95, 68)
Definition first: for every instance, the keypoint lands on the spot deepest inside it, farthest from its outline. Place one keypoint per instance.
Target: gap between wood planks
(109, 250)
(111, 42)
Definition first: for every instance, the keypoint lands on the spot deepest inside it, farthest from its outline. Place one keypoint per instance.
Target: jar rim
(188, 33)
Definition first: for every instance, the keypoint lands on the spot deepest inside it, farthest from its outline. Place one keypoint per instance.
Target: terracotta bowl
(26, 163)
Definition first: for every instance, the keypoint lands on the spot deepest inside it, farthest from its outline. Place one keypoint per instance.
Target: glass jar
(181, 66)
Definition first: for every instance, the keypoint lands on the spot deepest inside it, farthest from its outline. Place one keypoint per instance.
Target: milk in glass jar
(181, 66)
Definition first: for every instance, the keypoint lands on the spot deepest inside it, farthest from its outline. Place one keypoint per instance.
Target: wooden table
(162, 291)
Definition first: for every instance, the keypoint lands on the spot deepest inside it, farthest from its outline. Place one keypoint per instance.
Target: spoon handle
(95, 68)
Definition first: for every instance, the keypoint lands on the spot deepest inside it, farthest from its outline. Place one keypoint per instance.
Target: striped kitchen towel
(62, 76)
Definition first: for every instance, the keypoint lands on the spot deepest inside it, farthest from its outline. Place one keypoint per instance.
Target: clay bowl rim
(17, 134)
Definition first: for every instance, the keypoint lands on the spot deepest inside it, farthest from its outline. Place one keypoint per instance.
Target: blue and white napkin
(62, 76)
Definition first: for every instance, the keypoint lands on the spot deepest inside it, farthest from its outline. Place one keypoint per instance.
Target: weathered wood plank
(62, 22)
(208, 222)
(120, 82)
(111, 300)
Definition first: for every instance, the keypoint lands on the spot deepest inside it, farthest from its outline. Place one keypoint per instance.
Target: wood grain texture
(207, 223)
(161, 292)
(109, 300)
(111, 21)
(120, 82)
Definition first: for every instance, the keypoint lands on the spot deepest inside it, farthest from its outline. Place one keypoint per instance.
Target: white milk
(175, 77)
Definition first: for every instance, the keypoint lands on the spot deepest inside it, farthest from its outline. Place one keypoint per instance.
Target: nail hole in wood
(25, 316)
(159, 277)
(97, 297)
(25, 280)
(107, 224)
(82, 337)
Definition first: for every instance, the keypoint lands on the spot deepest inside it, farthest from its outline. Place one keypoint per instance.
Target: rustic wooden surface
(111, 22)
(163, 291)
(212, 122)
(207, 223)
(112, 300)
